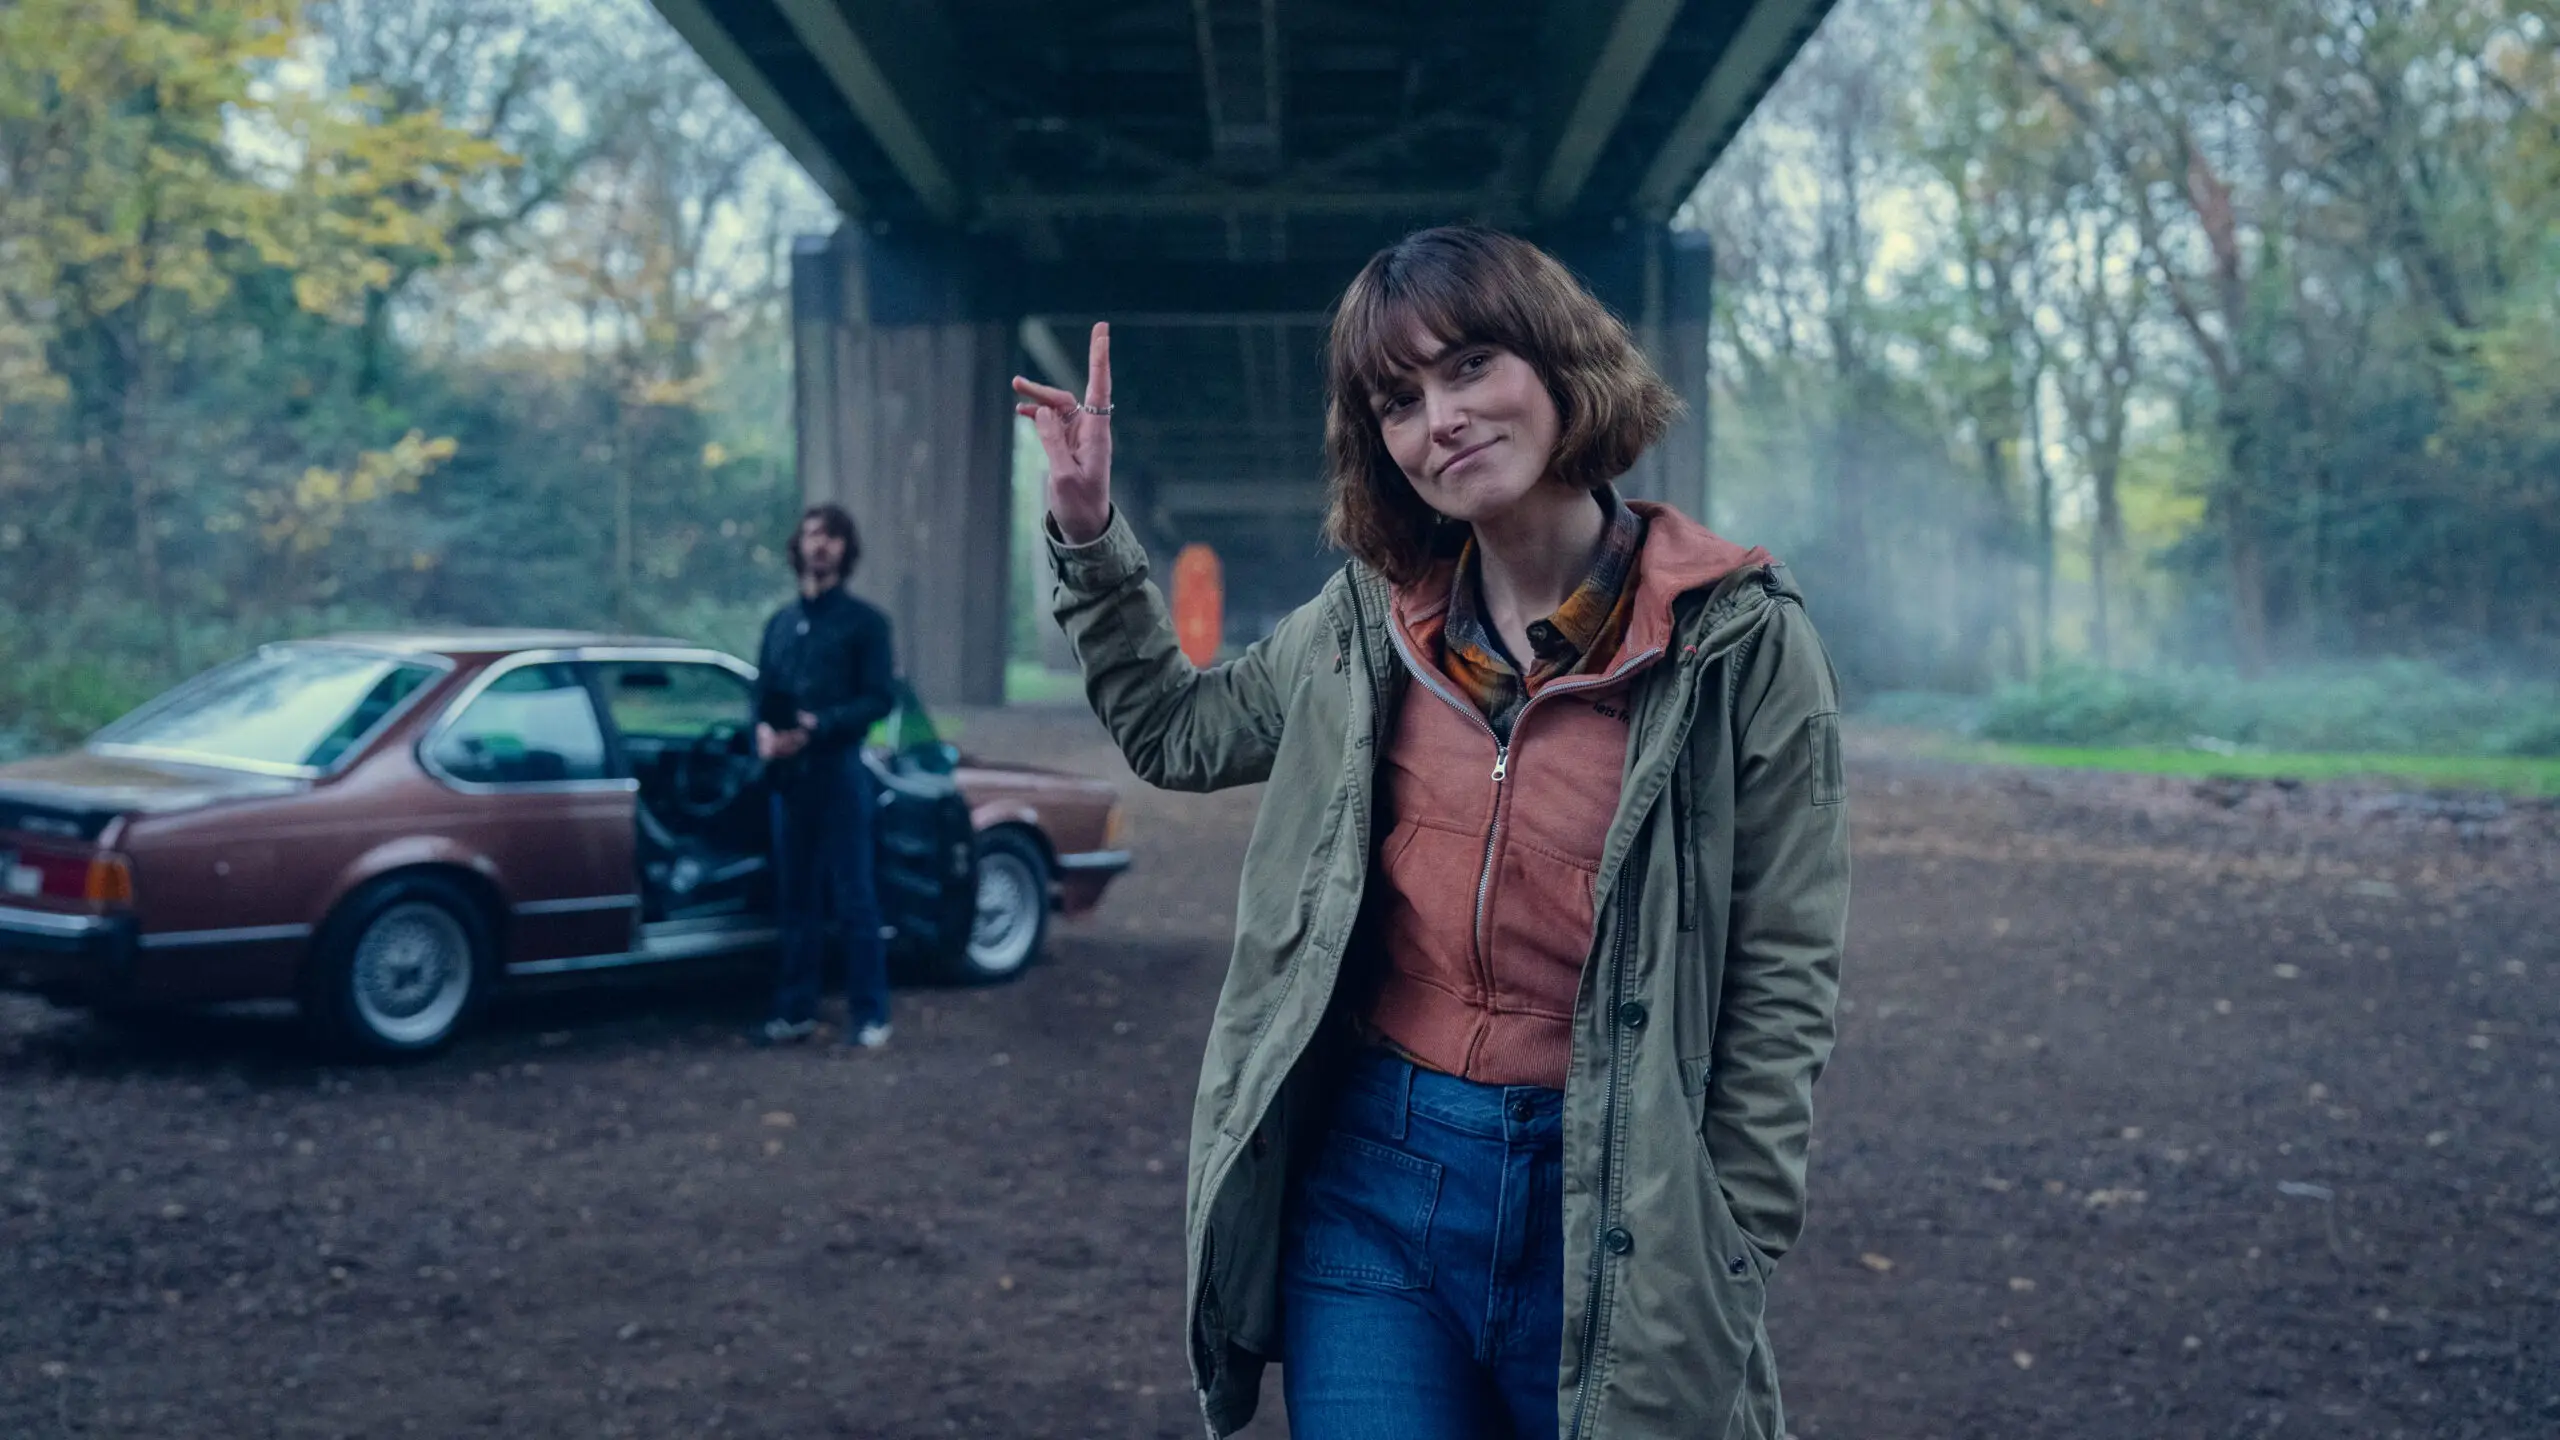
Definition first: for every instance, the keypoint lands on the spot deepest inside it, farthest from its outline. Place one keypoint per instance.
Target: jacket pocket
(1737, 1258)
(1830, 775)
(1684, 841)
(1427, 912)
(1363, 1215)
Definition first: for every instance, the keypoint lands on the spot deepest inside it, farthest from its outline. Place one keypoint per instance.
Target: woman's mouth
(1450, 466)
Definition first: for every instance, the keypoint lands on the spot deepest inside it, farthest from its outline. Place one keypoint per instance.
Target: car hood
(85, 782)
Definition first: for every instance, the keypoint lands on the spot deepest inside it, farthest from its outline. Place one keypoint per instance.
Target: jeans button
(1737, 1266)
(1632, 1015)
(1618, 1240)
(1523, 1109)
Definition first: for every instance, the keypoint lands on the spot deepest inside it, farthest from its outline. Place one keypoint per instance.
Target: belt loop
(1403, 1098)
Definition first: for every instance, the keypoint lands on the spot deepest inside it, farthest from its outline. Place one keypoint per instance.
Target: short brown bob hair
(1468, 286)
(833, 519)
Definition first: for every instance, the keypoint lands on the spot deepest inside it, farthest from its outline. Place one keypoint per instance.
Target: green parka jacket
(1706, 1007)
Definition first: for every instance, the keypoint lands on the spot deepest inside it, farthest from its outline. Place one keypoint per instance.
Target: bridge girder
(1207, 174)
(990, 116)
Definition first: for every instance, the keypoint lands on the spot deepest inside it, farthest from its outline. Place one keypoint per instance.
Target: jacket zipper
(1433, 681)
(1437, 684)
(1608, 1146)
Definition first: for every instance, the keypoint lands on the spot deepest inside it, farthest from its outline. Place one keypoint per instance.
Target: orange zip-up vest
(1483, 907)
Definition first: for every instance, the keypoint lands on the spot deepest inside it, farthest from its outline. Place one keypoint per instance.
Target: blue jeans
(824, 819)
(1422, 1261)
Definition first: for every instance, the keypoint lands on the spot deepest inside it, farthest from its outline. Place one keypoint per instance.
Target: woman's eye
(1474, 363)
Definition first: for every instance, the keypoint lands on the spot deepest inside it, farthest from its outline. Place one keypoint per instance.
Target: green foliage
(2404, 707)
(2074, 705)
(364, 314)
(67, 672)
(2513, 775)
(2231, 328)
(53, 699)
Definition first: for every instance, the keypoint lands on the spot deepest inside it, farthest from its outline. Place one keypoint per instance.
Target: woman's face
(1472, 427)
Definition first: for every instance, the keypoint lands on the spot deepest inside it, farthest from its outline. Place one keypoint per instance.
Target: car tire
(1010, 922)
(399, 969)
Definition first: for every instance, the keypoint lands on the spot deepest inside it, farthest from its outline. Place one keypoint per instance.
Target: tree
(152, 161)
(540, 84)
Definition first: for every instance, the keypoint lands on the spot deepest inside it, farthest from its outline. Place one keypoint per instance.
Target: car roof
(470, 642)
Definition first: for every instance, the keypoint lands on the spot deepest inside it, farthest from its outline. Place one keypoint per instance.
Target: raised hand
(1077, 438)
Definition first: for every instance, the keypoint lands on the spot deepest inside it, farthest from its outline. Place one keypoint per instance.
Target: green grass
(2512, 775)
(1027, 682)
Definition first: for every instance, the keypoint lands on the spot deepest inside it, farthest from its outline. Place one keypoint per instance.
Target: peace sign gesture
(1077, 438)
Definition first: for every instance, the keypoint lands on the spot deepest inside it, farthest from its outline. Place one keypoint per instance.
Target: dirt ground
(2160, 1110)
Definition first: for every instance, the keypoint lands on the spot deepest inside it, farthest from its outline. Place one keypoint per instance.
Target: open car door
(681, 725)
(927, 871)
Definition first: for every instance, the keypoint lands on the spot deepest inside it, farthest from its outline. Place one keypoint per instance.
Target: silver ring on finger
(1102, 410)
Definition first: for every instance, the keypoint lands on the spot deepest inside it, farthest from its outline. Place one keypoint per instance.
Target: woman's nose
(1447, 420)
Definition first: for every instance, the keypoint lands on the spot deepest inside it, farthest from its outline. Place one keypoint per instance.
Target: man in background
(824, 678)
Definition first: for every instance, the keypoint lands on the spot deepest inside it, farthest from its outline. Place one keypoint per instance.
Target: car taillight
(110, 881)
(49, 873)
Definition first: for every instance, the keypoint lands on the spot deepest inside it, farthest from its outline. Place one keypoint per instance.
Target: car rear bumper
(1094, 862)
(67, 957)
(1083, 875)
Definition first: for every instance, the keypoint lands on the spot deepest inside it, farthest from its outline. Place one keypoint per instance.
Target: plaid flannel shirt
(1580, 637)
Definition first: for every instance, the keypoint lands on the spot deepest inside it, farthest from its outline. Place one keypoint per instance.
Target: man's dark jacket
(831, 657)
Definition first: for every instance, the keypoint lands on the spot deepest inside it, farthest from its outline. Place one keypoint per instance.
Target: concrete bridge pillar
(1675, 332)
(903, 344)
(1662, 283)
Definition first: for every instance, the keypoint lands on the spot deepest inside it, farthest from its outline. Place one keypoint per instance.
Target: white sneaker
(786, 1032)
(872, 1037)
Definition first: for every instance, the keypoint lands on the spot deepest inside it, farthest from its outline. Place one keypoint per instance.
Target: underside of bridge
(1207, 175)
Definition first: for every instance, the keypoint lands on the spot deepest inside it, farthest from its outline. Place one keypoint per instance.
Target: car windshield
(286, 708)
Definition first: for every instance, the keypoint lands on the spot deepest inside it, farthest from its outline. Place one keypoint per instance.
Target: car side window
(672, 700)
(531, 726)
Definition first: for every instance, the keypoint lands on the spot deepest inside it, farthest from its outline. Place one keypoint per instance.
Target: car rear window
(286, 707)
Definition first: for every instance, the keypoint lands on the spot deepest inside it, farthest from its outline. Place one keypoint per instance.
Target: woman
(1504, 1112)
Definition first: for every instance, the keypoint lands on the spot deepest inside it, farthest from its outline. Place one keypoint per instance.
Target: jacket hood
(1680, 558)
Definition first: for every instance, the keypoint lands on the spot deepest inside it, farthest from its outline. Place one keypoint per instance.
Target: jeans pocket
(1363, 1214)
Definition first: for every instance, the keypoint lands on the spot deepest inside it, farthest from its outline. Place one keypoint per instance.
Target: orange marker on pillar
(1199, 604)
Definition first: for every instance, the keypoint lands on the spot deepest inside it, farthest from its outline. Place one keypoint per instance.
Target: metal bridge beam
(1749, 63)
(729, 60)
(1601, 50)
(898, 74)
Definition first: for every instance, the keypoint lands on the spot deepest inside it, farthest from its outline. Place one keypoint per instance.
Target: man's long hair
(834, 520)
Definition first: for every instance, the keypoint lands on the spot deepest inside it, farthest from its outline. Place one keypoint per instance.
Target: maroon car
(388, 828)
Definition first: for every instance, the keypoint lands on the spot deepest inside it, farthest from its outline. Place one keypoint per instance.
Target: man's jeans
(824, 820)
(1422, 1272)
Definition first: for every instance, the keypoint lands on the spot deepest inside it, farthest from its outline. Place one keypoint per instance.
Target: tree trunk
(2044, 529)
(2105, 536)
(373, 343)
(2246, 548)
(134, 455)
(626, 458)
(2248, 590)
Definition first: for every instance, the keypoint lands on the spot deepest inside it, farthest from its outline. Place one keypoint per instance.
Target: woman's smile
(1450, 466)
